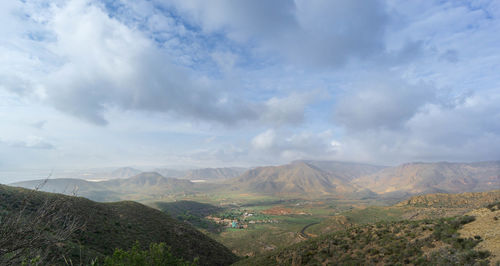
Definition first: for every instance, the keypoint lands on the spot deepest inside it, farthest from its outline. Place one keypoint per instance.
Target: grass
(374, 214)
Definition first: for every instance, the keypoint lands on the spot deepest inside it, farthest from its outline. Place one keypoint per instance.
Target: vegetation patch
(401, 242)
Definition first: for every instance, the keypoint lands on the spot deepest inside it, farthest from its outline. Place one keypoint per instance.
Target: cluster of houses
(231, 223)
(240, 223)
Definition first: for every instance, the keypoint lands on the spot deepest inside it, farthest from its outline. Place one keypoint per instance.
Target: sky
(174, 83)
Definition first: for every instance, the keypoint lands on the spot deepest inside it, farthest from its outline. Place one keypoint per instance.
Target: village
(240, 220)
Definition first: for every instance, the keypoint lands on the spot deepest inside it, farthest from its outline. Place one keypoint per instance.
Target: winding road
(302, 232)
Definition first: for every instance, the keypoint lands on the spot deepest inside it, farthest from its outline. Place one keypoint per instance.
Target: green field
(275, 222)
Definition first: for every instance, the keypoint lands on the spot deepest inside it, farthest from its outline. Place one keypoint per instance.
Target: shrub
(158, 254)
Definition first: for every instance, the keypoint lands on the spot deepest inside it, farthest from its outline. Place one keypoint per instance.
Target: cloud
(398, 81)
(310, 33)
(99, 63)
(39, 124)
(110, 64)
(288, 110)
(264, 140)
(381, 102)
(281, 146)
(468, 129)
(32, 142)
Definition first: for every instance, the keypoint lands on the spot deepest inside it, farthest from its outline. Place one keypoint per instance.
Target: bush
(158, 254)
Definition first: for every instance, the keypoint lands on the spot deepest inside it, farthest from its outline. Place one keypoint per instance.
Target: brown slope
(417, 178)
(486, 225)
(124, 172)
(295, 178)
(214, 173)
(345, 170)
(462, 200)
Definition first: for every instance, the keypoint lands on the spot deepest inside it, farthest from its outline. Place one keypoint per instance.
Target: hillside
(295, 178)
(427, 242)
(345, 170)
(124, 172)
(106, 226)
(486, 225)
(192, 212)
(150, 182)
(214, 173)
(462, 200)
(421, 178)
(202, 173)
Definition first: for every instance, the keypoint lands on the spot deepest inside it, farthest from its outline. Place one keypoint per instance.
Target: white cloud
(31, 142)
(288, 110)
(311, 33)
(264, 140)
(404, 80)
(282, 146)
(381, 102)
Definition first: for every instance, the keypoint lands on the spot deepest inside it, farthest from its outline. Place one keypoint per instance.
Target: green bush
(158, 254)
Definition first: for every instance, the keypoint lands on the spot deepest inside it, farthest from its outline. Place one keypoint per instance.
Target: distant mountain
(70, 186)
(167, 172)
(311, 178)
(124, 172)
(345, 170)
(106, 226)
(144, 185)
(202, 173)
(421, 178)
(214, 173)
(295, 178)
(149, 182)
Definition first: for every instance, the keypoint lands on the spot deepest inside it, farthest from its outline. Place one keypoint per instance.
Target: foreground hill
(295, 178)
(486, 225)
(192, 212)
(421, 178)
(427, 242)
(101, 227)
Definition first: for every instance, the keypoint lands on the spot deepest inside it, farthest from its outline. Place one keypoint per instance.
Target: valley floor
(263, 225)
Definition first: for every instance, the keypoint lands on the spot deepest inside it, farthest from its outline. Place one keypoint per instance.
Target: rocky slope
(295, 178)
(421, 178)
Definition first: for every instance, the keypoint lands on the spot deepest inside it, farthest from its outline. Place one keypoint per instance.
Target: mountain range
(151, 184)
(306, 178)
(422, 178)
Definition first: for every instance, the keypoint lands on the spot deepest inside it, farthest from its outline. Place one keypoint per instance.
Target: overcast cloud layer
(91, 83)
